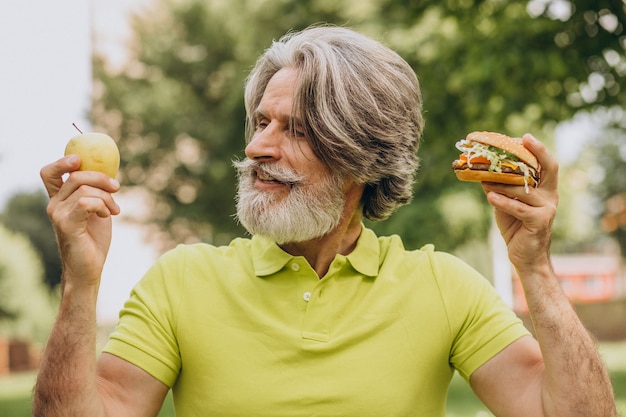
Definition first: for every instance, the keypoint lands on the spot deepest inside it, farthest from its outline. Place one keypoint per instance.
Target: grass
(15, 395)
(15, 390)
(614, 355)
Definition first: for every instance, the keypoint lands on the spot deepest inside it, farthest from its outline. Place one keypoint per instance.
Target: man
(315, 315)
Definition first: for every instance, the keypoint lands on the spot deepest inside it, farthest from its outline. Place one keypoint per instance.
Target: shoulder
(450, 276)
(198, 261)
(442, 263)
(203, 252)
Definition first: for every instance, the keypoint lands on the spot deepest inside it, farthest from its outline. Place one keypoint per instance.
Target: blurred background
(165, 79)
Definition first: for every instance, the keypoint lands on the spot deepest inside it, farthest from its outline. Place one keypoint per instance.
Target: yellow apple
(97, 152)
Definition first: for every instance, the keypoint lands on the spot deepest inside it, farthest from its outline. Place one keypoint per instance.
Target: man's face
(285, 192)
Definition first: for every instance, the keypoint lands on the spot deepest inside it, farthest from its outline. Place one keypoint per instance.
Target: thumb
(52, 174)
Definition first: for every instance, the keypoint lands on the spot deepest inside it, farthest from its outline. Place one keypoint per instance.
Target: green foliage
(511, 66)
(489, 65)
(26, 213)
(6, 312)
(605, 158)
(178, 107)
(22, 292)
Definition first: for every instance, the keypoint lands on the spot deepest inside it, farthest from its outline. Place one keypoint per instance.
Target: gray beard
(308, 212)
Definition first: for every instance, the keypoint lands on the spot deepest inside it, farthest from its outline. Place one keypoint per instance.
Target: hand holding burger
(494, 157)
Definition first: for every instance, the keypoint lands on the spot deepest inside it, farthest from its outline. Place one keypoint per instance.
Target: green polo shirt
(250, 330)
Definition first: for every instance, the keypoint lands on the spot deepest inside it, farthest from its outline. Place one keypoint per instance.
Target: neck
(320, 252)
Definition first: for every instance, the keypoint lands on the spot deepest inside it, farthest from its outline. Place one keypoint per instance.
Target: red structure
(584, 279)
(17, 356)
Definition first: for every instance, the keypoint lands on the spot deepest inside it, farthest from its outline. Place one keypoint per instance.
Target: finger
(93, 179)
(75, 211)
(503, 202)
(102, 207)
(539, 205)
(512, 209)
(548, 163)
(95, 200)
(532, 196)
(52, 174)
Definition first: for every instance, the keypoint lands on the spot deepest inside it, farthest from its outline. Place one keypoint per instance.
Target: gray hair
(360, 106)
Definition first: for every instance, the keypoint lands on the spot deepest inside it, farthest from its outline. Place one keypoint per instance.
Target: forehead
(278, 97)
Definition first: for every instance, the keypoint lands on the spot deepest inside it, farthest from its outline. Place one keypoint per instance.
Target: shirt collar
(365, 257)
(268, 258)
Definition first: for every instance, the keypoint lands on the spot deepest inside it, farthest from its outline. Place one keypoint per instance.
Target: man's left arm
(561, 372)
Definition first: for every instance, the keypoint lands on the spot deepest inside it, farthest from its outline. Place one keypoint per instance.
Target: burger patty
(485, 167)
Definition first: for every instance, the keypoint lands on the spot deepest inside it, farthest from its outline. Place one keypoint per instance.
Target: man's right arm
(71, 382)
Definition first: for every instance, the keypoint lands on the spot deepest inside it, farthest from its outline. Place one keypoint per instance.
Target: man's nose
(265, 145)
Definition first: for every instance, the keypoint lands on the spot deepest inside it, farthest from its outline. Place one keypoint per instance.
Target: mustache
(249, 167)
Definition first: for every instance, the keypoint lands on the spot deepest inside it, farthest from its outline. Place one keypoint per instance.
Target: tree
(26, 213)
(5, 311)
(23, 295)
(178, 111)
(511, 66)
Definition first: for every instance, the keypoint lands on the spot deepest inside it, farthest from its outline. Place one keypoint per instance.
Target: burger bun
(471, 175)
(513, 146)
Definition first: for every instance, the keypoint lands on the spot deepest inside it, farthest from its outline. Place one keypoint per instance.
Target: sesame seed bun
(511, 145)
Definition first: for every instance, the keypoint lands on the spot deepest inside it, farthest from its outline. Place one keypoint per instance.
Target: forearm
(66, 384)
(576, 382)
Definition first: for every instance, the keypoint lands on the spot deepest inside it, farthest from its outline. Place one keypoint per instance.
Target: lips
(272, 174)
(267, 182)
(263, 176)
(266, 173)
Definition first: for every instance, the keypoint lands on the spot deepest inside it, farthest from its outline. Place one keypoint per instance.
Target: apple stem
(74, 124)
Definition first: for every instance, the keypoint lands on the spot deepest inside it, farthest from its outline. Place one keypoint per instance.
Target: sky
(45, 86)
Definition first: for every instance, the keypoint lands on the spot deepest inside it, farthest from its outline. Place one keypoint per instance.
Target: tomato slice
(475, 159)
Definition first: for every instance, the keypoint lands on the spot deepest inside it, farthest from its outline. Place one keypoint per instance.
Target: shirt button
(295, 266)
(306, 296)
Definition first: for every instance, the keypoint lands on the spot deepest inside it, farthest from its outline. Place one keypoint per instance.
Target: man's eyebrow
(257, 114)
(292, 121)
(295, 121)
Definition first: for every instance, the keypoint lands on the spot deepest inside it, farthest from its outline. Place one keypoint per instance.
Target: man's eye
(261, 124)
(298, 131)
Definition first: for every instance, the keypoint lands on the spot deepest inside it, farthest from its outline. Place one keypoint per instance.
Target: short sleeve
(146, 332)
(481, 323)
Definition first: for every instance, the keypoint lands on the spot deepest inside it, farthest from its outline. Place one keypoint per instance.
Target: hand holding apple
(97, 152)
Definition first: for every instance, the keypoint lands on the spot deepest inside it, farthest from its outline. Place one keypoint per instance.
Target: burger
(494, 157)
